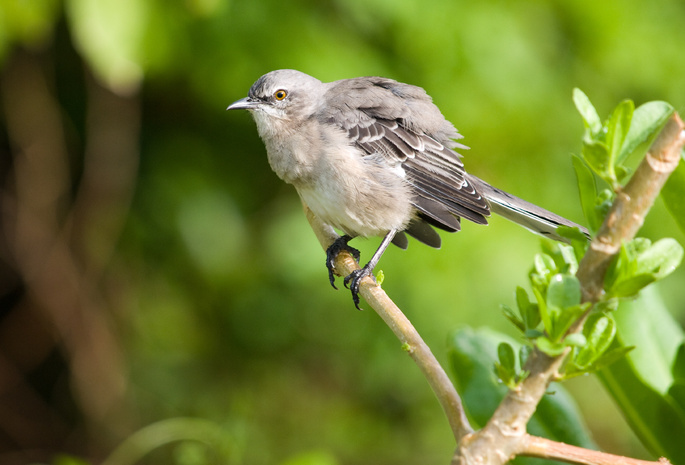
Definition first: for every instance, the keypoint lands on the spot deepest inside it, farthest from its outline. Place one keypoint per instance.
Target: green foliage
(557, 301)
(599, 332)
(505, 366)
(647, 384)
(607, 145)
(587, 187)
(472, 355)
(640, 263)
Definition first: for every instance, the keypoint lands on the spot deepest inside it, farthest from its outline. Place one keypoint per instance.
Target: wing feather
(399, 122)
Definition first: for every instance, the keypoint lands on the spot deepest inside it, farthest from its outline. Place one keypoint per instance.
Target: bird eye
(280, 94)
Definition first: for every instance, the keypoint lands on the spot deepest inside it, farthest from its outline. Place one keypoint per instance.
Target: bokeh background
(153, 268)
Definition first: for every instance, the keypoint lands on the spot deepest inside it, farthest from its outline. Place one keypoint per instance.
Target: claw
(332, 252)
(353, 281)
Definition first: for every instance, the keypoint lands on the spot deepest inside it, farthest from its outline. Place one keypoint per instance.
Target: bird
(371, 156)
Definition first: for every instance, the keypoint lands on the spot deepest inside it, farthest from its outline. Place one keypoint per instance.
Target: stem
(411, 341)
(546, 449)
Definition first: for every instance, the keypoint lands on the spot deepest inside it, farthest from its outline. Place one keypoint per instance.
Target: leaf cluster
(557, 306)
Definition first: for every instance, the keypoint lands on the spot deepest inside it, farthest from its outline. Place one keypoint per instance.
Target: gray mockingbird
(375, 157)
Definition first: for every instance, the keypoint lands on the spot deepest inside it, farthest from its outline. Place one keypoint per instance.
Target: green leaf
(640, 263)
(587, 187)
(677, 393)
(563, 255)
(513, 317)
(607, 304)
(563, 291)
(661, 258)
(472, 354)
(605, 200)
(611, 356)
(563, 320)
(575, 340)
(647, 122)
(579, 241)
(673, 194)
(544, 265)
(587, 111)
(545, 315)
(505, 367)
(529, 311)
(599, 330)
(596, 155)
(630, 286)
(640, 382)
(506, 356)
(647, 324)
(551, 348)
(617, 130)
(679, 364)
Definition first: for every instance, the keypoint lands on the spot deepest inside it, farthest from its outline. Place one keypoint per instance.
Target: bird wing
(400, 122)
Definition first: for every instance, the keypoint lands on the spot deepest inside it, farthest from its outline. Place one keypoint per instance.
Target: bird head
(284, 94)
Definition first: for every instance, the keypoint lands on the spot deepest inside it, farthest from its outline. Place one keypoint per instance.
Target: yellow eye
(280, 94)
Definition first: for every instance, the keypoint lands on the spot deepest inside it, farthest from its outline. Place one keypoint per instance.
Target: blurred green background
(153, 267)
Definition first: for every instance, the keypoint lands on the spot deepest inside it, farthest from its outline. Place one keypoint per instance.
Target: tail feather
(531, 217)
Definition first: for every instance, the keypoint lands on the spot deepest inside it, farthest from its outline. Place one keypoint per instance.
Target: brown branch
(505, 436)
(546, 449)
(411, 341)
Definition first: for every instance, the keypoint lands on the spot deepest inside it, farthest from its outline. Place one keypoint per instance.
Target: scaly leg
(353, 280)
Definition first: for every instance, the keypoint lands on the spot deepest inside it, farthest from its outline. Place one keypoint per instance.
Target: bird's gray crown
(288, 79)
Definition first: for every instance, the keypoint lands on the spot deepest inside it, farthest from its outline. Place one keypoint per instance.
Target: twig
(546, 449)
(411, 341)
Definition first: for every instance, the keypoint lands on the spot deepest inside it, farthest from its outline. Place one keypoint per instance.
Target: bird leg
(332, 252)
(353, 280)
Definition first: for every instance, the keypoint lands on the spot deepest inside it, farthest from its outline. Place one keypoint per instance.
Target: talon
(353, 281)
(332, 252)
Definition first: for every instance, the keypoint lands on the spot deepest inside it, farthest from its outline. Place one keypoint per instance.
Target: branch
(630, 207)
(545, 449)
(505, 436)
(403, 329)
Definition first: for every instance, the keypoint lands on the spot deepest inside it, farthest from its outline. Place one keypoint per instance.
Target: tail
(531, 217)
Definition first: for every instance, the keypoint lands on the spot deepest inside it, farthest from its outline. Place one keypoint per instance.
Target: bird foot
(353, 280)
(332, 252)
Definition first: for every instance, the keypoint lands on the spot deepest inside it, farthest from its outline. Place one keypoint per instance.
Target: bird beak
(246, 103)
